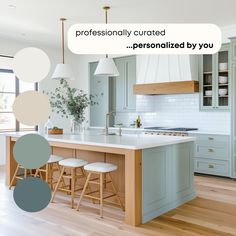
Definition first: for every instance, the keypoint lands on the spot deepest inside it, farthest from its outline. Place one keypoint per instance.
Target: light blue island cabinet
(167, 178)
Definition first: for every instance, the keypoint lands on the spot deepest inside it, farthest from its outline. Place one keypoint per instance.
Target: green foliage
(69, 101)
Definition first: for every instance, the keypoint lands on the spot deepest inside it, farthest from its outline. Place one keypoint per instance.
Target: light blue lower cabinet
(211, 166)
(212, 154)
(167, 179)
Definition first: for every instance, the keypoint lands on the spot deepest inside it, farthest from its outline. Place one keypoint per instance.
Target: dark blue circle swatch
(32, 194)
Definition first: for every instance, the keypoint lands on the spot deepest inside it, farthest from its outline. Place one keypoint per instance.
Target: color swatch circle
(31, 64)
(32, 108)
(32, 194)
(31, 151)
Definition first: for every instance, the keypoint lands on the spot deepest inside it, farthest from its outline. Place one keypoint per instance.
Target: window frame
(17, 92)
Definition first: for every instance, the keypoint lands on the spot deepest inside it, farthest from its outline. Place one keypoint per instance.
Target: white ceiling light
(106, 66)
(63, 71)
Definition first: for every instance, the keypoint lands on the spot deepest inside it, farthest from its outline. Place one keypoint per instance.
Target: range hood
(166, 74)
(179, 87)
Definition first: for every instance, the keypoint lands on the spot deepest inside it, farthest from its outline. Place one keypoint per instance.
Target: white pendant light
(106, 66)
(63, 71)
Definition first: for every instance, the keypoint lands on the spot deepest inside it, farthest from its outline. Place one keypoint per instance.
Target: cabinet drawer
(208, 166)
(213, 152)
(212, 140)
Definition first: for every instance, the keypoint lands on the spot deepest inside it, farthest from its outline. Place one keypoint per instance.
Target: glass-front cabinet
(215, 80)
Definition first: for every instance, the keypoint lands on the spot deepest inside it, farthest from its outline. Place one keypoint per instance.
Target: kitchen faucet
(107, 121)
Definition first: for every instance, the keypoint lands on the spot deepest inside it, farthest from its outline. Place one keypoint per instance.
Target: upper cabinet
(124, 99)
(113, 94)
(214, 80)
(99, 88)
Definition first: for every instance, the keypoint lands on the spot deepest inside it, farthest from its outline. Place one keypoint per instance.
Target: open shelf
(223, 71)
(210, 79)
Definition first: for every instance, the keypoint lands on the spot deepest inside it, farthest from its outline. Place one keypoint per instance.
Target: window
(10, 87)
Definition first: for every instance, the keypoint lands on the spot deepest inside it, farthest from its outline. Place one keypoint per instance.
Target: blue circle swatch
(32, 151)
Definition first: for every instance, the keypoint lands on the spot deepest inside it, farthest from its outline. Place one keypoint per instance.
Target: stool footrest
(111, 195)
(98, 183)
(18, 177)
(95, 191)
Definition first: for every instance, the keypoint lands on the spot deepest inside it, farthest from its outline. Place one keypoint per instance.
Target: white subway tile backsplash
(175, 110)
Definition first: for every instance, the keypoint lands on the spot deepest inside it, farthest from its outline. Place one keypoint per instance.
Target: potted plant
(71, 102)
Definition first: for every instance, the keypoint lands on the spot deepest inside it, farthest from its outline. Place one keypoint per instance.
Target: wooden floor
(213, 212)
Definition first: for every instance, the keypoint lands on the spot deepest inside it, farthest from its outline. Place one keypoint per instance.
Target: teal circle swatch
(32, 194)
(31, 151)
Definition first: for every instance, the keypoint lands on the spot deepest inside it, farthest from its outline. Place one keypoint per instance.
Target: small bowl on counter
(55, 131)
(223, 79)
(208, 93)
(223, 92)
(223, 66)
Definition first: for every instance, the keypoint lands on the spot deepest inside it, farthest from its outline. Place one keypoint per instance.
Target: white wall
(227, 32)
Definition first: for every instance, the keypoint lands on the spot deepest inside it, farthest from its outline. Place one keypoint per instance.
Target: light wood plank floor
(213, 212)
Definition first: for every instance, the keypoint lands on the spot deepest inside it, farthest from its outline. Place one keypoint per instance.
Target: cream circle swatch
(31, 64)
(32, 108)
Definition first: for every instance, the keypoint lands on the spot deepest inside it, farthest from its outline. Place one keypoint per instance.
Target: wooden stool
(102, 169)
(15, 176)
(72, 164)
(49, 169)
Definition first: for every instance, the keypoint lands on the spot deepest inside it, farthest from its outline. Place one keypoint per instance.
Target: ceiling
(38, 20)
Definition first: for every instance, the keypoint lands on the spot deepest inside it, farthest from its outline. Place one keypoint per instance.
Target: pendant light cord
(63, 39)
(106, 8)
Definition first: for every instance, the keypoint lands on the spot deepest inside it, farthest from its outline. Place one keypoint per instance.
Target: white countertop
(210, 132)
(126, 141)
(140, 130)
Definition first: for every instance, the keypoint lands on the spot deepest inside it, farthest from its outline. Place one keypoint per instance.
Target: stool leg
(101, 195)
(25, 172)
(59, 169)
(72, 187)
(36, 172)
(46, 174)
(83, 192)
(14, 176)
(89, 187)
(115, 191)
(50, 174)
(58, 182)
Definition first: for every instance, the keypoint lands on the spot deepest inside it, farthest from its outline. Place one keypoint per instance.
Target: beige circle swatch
(31, 65)
(32, 108)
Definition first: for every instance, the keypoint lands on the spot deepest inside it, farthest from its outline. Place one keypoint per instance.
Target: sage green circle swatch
(32, 151)
(32, 108)
(32, 194)
(31, 64)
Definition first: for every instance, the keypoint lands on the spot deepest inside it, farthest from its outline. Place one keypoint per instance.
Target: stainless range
(180, 131)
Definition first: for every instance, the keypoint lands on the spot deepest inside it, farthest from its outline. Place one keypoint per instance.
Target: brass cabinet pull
(210, 166)
(210, 150)
(210, 138)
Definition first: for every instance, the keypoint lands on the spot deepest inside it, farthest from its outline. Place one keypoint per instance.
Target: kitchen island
(155, 173)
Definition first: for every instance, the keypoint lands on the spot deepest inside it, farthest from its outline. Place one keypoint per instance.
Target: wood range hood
(177, 87)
